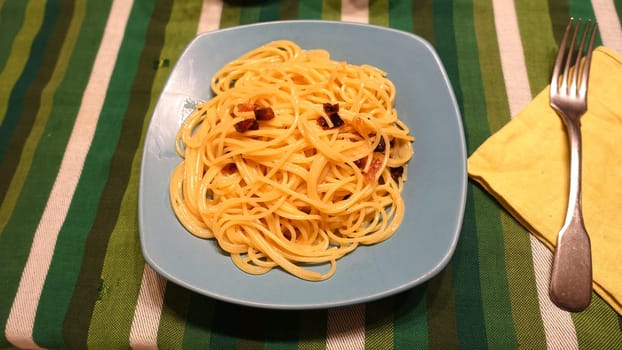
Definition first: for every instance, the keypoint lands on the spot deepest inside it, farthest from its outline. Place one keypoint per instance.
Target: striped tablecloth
(78, 83)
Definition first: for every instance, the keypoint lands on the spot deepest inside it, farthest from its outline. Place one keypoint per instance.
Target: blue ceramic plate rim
(435, 192)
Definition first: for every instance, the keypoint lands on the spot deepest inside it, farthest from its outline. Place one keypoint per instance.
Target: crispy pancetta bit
(331, 111)
(229, 169)
(331, 108)
(396, 173)
(361, 163)
(382, 146)
(264, 113)
(247, 124)
(370, 174)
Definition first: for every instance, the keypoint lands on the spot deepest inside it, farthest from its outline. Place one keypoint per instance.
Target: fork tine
(560, 59)
(588, 61)
(564, 86)
(577, 63)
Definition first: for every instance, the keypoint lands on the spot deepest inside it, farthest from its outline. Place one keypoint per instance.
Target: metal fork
(571, 275)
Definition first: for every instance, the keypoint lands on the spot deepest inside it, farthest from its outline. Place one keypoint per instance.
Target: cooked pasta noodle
(294, 162)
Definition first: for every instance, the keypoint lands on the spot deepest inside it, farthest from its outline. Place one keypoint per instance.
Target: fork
(571, 274)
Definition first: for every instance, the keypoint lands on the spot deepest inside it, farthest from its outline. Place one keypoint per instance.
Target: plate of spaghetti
(303, 164)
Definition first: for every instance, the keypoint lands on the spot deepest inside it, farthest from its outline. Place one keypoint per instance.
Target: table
(78, 83)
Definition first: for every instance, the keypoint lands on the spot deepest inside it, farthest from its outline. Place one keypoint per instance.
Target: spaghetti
(294, 162)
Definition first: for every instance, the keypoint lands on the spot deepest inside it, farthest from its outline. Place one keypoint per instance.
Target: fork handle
(571, 275)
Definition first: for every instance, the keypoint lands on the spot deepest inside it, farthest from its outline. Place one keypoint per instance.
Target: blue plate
(435, 191)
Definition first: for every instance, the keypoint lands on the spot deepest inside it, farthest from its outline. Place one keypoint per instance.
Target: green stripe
(24, 100)
(331, 10)
(270, 11)
(441, 311)
(559, 13)
(124, 264)
(280, 327)
(200, 321)
(498, 110)
(252, 330)
(470, 322)
(55, 294)
(50, 151)
(52, 304)
(173, 317)
(309, 9)
(184, 16)
(230, 15)
(490, 101)
(410, 326)
(17, 235)
(14, 170)
(15, 167)
(515, 239)
(537, 40)
(227, 325)
(529, 329)
(400, 15)
(583, 10)
(249, 14)
(98, 197)
(423, 19)
(11, 20)
(606, 335)
(312, 330)
(288, 9)
(20, 52)
(379, 12)
(493, 285)
(379, 324)
(469, 318)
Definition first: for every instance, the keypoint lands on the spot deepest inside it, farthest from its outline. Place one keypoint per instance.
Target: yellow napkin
(525, 167)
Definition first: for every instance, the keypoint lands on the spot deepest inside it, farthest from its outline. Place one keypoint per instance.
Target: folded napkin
(525, 167)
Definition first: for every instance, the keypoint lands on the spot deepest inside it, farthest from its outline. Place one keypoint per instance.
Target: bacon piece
(229, 169)
(334, 118)
(323, 123)
(247, 124)
(375, 165)
(382, 146)
(360, 162)
(396, 173)
(264, 113)
(331, 111)
(331, 108)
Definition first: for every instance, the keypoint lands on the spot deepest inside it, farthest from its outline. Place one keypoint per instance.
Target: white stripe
(355, 11)
(20, 323)
(558, 326)
(144, 331)
(608, 24)
(210, 16)
(345, 328)
(512, 58)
